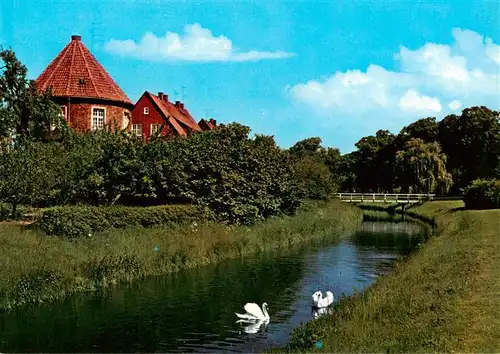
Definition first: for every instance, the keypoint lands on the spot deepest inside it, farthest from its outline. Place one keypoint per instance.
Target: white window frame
(154, 125)
(93, 127)
(62, 114)
(146, 110)
(134, 129)
(64, 111)
(126, 118)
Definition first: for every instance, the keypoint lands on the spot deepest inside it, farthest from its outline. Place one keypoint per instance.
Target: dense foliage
(23, 110)
(241, 179)
(78, 221)
(483, 194)
(28, 173)
(428, 156)
(421, 168)
(42, 162)
(316, 168)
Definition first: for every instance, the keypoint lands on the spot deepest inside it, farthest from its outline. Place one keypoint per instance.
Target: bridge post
(385, 198)
(373, 198)
(403, 213)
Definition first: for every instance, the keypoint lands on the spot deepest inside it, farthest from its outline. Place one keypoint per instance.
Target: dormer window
(146, 110)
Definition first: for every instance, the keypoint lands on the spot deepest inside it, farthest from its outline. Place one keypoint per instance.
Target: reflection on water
(194, 310)
(252, 327)
(317, 312)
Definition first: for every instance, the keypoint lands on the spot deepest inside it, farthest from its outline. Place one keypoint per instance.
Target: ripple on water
(193, 311)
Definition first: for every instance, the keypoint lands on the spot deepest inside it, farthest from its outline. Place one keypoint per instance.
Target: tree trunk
(14, 210)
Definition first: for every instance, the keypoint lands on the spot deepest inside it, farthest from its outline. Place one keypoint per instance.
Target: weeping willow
(422, 168)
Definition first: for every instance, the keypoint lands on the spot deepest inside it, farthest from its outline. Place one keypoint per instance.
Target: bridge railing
(385, 197)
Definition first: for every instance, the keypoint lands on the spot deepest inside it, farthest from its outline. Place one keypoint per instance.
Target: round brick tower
(89, 98)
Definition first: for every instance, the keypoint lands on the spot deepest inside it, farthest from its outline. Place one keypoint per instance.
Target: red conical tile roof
(75, 72)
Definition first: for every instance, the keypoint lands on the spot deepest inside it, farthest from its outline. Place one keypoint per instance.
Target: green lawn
(445, 297)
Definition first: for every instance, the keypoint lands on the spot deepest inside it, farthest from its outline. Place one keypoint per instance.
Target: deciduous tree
(375, 162)
(25, 112)
(28, 173)
(472, 143)
(421, 168)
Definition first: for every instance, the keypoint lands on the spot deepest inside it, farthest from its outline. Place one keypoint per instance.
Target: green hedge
(6, 212)
(482, 194)
(77, 221)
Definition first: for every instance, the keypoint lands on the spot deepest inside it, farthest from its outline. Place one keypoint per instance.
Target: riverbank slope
(445, 297)
(38, 268)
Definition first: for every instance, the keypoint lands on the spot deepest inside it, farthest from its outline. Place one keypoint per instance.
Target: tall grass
(37, 268)
(444, 298)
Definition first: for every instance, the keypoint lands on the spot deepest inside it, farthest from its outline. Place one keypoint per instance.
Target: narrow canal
(193, 310)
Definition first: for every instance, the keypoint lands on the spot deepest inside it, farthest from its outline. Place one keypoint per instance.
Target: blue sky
(339, 70)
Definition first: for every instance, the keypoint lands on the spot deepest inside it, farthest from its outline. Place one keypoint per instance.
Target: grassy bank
(38, 268)
(445, 297)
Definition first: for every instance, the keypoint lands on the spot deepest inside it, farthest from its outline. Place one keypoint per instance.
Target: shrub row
(20, 212)
(78, 221)
(483, 194)
(242, 180)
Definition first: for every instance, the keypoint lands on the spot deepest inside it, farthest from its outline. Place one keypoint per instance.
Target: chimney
(213, 121)
(182, 105)
(165, 98)
(160, 96)
(76, 37)
(177, 104)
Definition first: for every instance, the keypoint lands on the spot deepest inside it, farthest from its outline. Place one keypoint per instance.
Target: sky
(338, 70)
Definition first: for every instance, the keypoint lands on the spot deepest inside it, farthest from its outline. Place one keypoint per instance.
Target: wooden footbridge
(398, 198)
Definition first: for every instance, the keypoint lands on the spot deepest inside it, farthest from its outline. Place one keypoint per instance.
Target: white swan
(320, 301)
(315, 297)
(253, 326)
(253, 312)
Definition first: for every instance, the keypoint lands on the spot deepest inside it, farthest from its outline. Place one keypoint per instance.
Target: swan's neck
(264, 310)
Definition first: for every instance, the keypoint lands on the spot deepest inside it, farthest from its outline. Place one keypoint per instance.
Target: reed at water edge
(37, 268)
(445, 297)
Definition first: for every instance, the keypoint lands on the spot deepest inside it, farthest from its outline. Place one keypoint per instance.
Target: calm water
(194, 310)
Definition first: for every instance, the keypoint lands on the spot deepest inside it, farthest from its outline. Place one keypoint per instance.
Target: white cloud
(465, 73)
(196, 44)
(454, 105)
(493, 51)
(412, 100)
(342, 90)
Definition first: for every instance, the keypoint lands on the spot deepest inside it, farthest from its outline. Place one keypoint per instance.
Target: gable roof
(206, 124)
(175, 115)
(75, 72)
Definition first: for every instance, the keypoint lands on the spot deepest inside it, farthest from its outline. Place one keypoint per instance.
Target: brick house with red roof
(206, 125)
(89, 98)
(151, 112)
